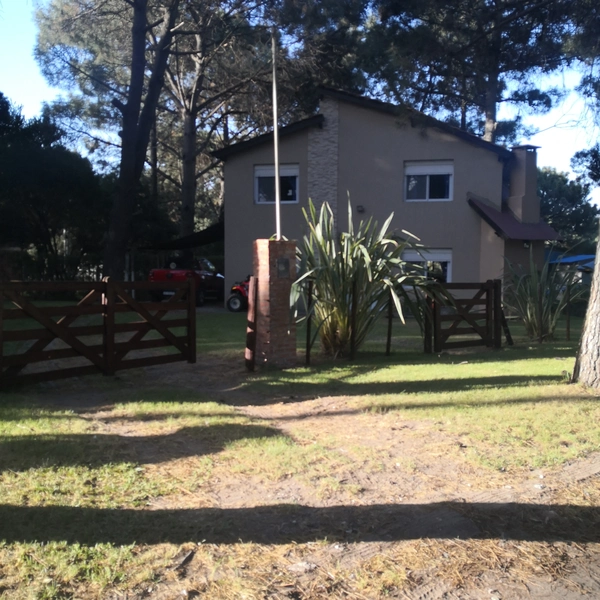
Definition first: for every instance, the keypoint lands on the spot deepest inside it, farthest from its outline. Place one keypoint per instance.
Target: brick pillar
(275, 269)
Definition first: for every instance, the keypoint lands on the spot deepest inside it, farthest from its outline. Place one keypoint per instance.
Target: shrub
(540, 297)
(363, 265)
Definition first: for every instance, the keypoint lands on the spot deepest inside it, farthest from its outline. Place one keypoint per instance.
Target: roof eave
(225, 153)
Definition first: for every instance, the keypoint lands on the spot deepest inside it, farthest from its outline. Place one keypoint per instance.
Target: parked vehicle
(238, 299)
(210, 285)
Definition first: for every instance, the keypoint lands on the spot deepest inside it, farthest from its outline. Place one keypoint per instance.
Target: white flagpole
(276, 140)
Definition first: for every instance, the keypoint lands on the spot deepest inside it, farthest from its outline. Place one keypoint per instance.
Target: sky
(562, 132)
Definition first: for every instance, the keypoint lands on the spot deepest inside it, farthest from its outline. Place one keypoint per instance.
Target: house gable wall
(373, 148)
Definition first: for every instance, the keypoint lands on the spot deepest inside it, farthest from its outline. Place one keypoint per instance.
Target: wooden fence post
(250, 353)
(1, 333)
(568, 312)
(540, 312)
(108, 303)
(390, 316)
(309, 305)
(497, 290)
(437, 327)
(353, 322)
(428, 326)
(191, 320)
(489, 313)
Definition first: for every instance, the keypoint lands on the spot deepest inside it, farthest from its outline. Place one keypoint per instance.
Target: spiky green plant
(363, 265)
(539, 297)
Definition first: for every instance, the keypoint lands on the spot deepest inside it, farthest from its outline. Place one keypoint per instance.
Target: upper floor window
(428, 181)
(264, 183)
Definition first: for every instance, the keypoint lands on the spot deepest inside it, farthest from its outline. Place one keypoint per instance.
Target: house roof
(225, 153)
(416, 119)
(508, 227)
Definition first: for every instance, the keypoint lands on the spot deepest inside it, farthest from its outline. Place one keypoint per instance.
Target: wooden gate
(476, 318)
(106, 331)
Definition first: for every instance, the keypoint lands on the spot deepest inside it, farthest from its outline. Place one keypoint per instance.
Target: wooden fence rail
(108, 330)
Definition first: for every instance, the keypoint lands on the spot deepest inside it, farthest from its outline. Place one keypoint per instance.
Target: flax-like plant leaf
(364, 260)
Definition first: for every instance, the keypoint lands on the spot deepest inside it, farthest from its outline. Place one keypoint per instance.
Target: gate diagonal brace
(58, 328)
(154, 322)
(139, 335)
(463, 314)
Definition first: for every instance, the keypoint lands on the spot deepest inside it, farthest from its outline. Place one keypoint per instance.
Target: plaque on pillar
(283, 268)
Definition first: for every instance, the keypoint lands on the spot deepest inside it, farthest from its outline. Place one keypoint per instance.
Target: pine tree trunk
(138, 116)
(124, 202)
(491, 97)
(188, 187)
(587, 363)
(492, 87)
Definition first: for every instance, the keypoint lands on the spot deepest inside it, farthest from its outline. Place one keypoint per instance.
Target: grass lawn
(364, 479)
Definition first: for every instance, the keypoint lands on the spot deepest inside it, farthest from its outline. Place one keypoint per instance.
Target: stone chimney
(523, 200)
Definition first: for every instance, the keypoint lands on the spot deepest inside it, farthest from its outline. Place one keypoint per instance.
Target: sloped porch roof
(508, 227)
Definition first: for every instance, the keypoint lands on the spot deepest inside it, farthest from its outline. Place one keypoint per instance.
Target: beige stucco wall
(246, 221)
(491, 263)
(373, 150)
(517, 253)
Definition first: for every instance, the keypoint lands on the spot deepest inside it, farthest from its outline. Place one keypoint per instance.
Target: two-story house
(470, 202)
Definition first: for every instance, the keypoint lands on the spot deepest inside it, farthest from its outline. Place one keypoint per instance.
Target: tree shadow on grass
(523, 351)
(19, 453)
(282, 524)
(287, 387)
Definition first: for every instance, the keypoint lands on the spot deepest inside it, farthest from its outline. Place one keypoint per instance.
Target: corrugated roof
(508, 227)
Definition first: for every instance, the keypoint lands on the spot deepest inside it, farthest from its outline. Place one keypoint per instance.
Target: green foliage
(540, 297)
(565, 205)
(362, 266)
(460, 59)
(55, 207)
(47, 194)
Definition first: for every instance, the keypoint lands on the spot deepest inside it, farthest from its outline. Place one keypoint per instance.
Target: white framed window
(264, 183)
(428, 181)
(435, 263)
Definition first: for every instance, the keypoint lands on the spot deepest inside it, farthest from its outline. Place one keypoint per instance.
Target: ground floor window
(264, 183)
(434, 263)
